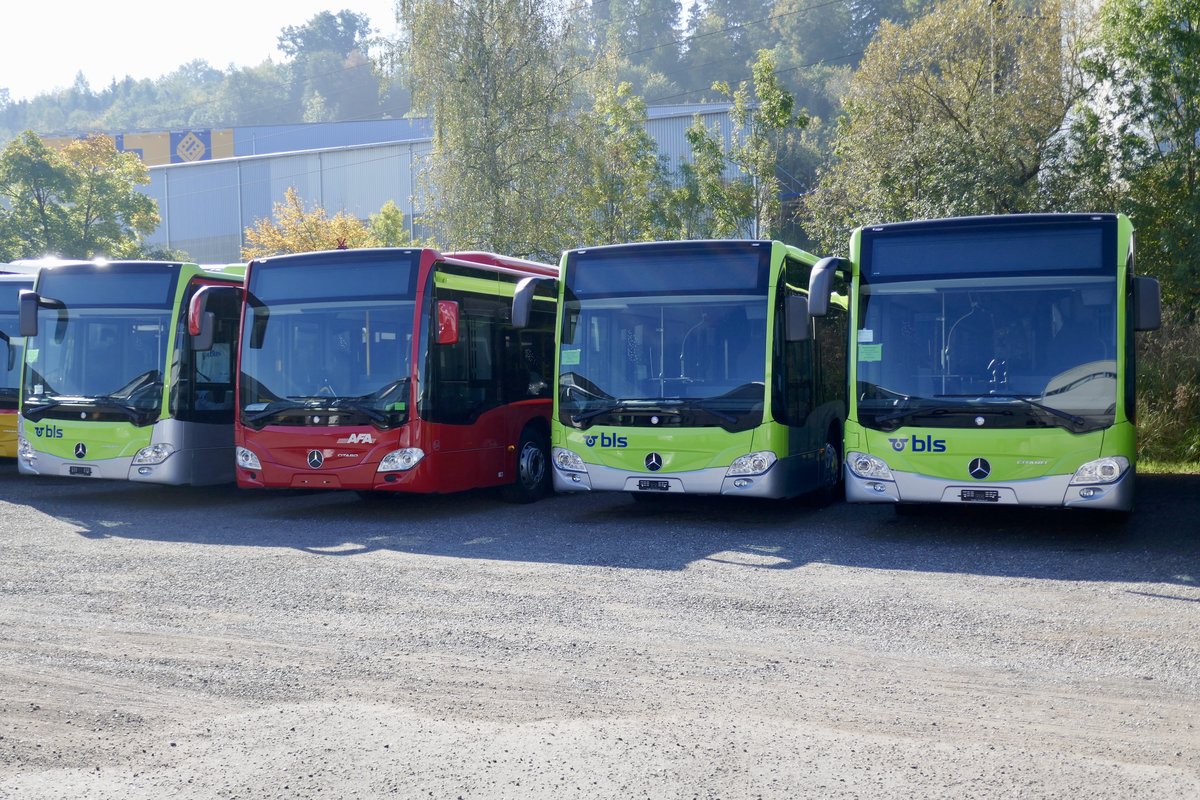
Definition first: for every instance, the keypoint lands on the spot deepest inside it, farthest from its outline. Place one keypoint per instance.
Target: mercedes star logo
(80, 450)
(980, 469)
(654, 462)
(315, 459)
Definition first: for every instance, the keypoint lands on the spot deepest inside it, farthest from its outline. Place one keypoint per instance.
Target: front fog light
(25, 449)
(869, 467)
(401, 460)
(751, 464)
(154, 454)
(1102, 470)
(567, 460)
(247, 460)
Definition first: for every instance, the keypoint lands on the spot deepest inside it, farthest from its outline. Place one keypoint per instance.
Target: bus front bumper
(775, 483)
(1054, 491)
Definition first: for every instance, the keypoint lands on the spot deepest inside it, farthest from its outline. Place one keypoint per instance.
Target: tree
(762, 119)
(387, 228)
(501, 175)
(295, 229)
(953, 114)
(1147, 59)
(626, 175)
(80, 202)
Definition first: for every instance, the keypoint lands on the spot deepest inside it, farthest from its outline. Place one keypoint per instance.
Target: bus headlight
(751, 464)
(869, 467)
(247, 460)
(25, 449)
(154, 454)
(401, 460)
(1102, 470)
(567, 460)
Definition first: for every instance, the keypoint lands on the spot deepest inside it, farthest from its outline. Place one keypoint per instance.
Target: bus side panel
(8, 434)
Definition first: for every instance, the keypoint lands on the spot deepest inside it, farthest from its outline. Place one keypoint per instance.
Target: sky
(47, 43)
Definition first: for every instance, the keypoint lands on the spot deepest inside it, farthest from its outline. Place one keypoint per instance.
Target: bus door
(462, 394)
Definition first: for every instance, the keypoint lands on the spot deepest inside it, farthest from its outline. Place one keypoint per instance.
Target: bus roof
(987, 219)
(493, 262)
(697, 243)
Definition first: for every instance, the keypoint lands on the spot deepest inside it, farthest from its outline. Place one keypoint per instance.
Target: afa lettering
(606, 440)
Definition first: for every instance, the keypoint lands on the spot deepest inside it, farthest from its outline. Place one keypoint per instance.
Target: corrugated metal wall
(206, 206)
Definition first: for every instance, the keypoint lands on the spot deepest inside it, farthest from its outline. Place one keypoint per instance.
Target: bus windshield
(105, 346)
(676, 329)
(1025, 351)
(328, 344)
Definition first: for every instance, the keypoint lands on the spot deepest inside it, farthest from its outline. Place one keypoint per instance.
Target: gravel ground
(162, 642)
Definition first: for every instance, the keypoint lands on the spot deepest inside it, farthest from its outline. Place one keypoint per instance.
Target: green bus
(992, 361)
(112, 385)
(692, 367)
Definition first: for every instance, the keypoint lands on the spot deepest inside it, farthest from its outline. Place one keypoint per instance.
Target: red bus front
(345, 383)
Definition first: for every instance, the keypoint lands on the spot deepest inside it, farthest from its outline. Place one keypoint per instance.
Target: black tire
(533, 469)
(834, 492)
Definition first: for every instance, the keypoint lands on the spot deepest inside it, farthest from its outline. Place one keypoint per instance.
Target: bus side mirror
(796, 320)
(820, 285)
(1147, 304)
(202, 341)
(447, 322)
(201, 323)
(27, 305)
(522, 306)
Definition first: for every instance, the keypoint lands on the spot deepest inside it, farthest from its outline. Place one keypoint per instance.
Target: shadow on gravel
(1160, 543)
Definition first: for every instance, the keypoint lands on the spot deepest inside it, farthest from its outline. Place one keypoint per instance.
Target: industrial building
(211, 185)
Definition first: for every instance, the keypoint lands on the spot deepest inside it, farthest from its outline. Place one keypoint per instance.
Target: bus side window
(795, 388)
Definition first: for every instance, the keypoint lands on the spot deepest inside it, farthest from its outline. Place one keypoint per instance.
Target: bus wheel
(533, 472)
(833, 488)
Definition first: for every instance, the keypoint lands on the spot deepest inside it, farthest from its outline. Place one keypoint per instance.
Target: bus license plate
(84, 471)
(979, 496)
(654, 486)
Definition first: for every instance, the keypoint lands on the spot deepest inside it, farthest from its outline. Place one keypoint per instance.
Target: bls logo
(358, 438)
(927, 444)
(606, 440)
(48, 432)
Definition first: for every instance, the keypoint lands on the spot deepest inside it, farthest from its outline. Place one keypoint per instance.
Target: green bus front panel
(687, 460)
(990, 467)
(199, 453)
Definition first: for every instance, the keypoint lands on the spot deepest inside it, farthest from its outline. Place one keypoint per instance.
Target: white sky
(46, 42)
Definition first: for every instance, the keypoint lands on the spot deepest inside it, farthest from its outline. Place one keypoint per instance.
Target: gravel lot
(161, 642)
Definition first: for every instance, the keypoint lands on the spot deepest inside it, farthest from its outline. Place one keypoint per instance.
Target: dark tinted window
(725, 267)
(965, 248)
(115, 286)
(281, 280)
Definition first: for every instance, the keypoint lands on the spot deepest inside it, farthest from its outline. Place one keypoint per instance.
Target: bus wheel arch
(532, 472)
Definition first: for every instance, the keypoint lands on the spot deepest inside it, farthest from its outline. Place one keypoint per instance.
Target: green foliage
(1147, 57)
(79, 202)
(388, 228)
(501, 175)
(625, 177)
(950, 115)
(762, 120)
(1169, 390)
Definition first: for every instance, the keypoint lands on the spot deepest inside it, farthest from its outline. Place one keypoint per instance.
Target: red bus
(391, 370)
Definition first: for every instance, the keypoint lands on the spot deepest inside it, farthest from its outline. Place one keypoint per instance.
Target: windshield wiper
(622, 405)
(939, 411)
(279, 407)
(138, 416)
(1074, 419)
